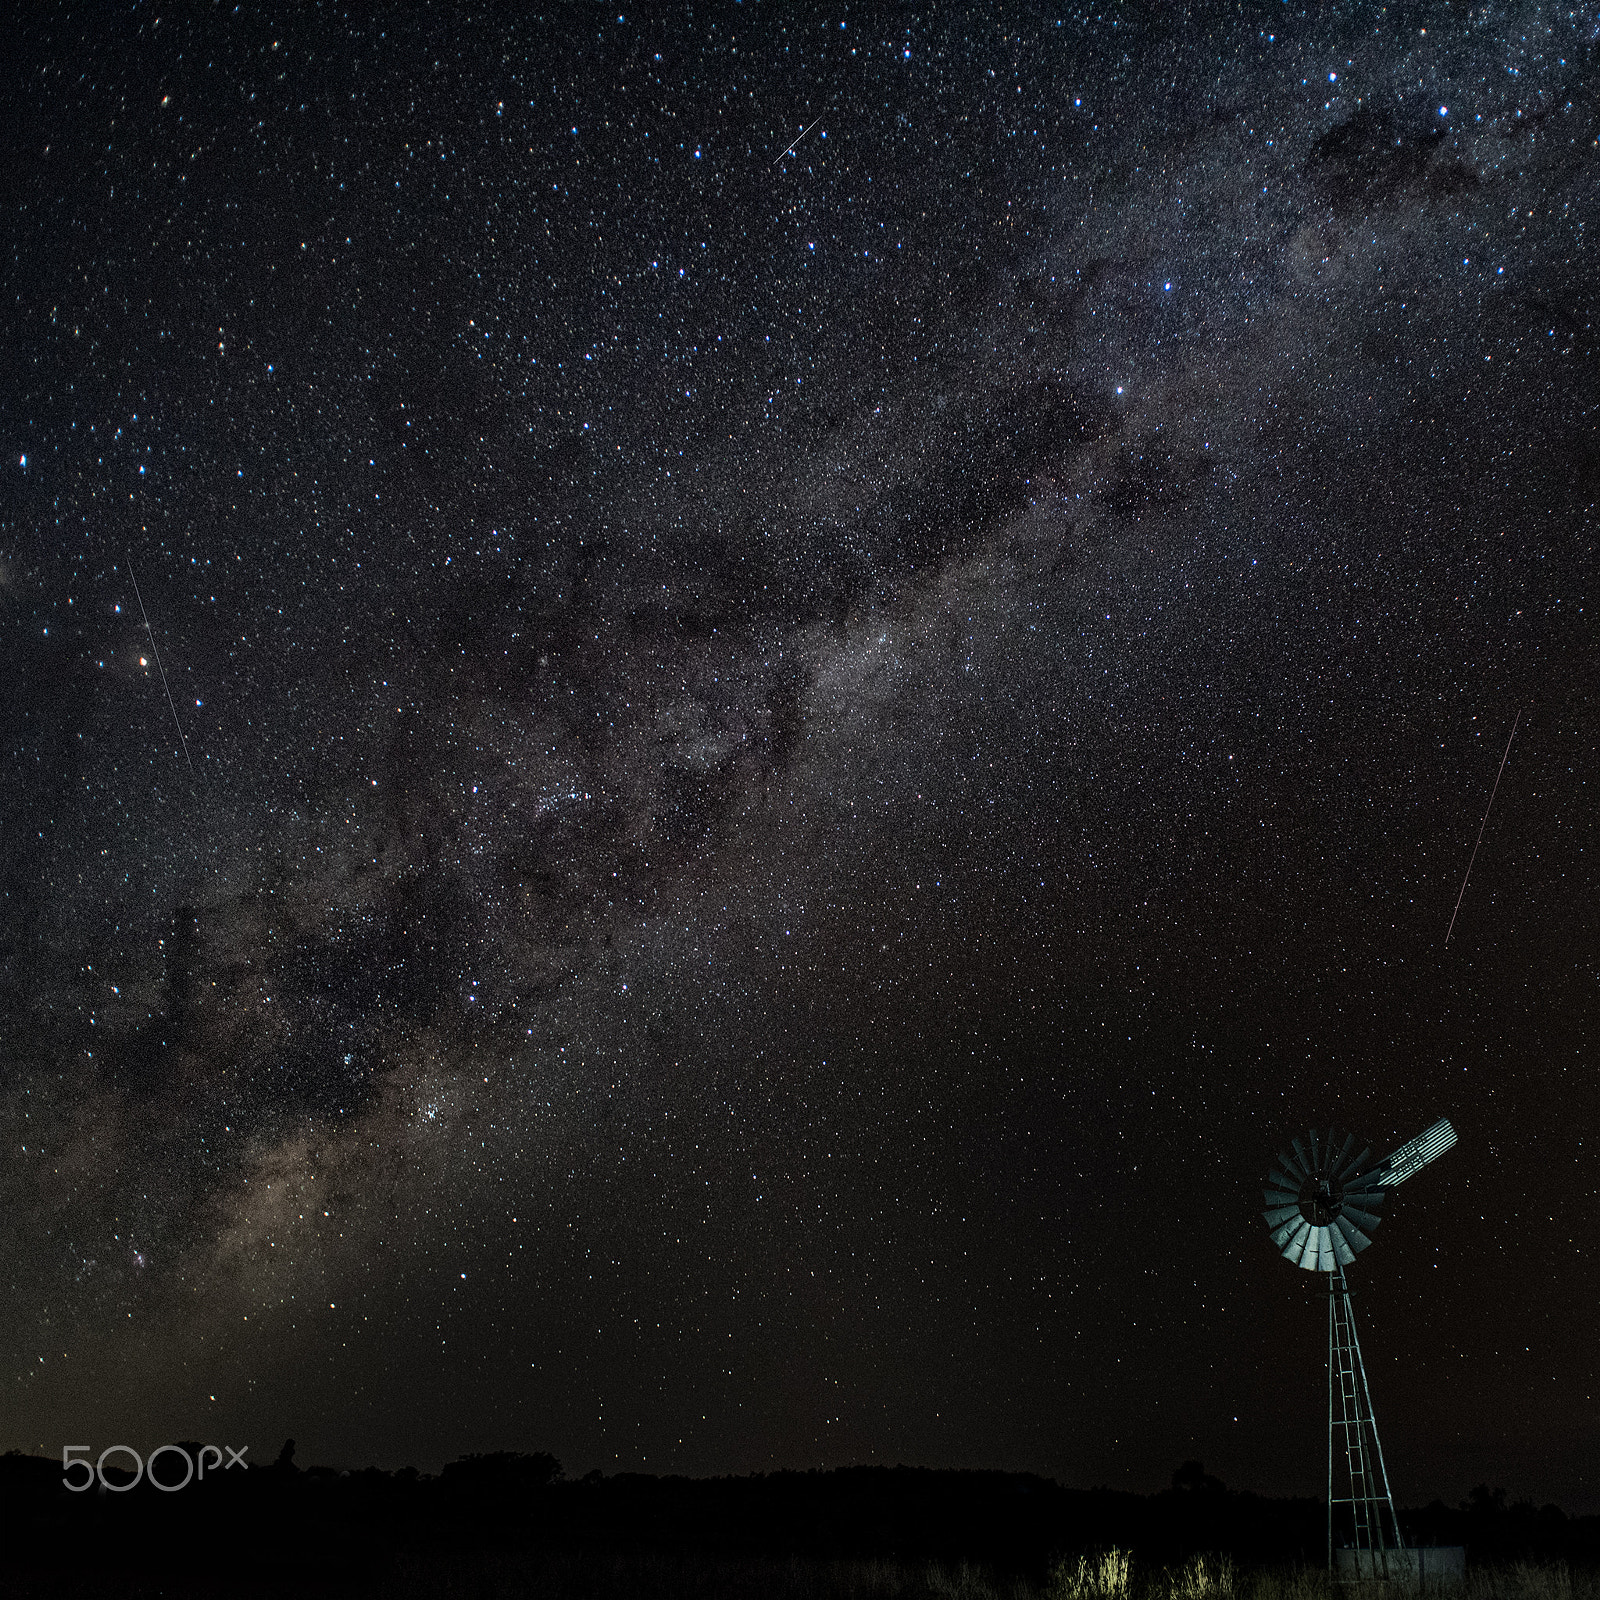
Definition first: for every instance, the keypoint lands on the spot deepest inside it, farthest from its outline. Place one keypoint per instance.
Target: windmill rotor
(1324, 1195)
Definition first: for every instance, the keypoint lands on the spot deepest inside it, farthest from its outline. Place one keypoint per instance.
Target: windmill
(1324, 1197)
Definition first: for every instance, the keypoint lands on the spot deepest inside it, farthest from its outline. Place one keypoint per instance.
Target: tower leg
(1331, 1346)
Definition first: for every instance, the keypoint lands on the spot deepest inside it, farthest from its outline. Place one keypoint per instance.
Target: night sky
(795, 768)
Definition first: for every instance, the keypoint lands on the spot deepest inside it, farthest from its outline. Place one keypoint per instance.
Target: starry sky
(774, 777)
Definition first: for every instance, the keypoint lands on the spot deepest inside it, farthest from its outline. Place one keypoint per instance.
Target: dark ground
(509, 1523)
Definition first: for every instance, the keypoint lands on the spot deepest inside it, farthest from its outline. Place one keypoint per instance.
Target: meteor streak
(798, 137)
(1481, 826)
(159, 668)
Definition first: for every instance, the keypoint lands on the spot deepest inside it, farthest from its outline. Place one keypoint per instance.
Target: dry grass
(572, 1575)
(1288, 1583)
(1102, 1577)
(1114, 1576)
(1533, 1580)
(1202, 1578)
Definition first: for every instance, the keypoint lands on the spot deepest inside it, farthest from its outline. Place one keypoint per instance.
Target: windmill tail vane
(1410, 1158)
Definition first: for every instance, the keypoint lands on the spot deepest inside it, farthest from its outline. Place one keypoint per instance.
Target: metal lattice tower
(1323, 1207)
(1353, 1433)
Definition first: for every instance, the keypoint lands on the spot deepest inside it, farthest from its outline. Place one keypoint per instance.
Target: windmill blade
(1337, 1166)
(1289, 1236)
(1279, 1197)
(1342, 1253)
(1306, 1166)
(1293, 1165)
(1283, 1181)
(1312, 1250)
(1361, 1219)
(1355, 1166)
(1353, 1237)
(1413, 1157)
(1323, 1260)
(1277, 1215)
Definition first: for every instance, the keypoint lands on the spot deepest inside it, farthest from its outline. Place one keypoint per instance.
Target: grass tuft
(1101, 1577)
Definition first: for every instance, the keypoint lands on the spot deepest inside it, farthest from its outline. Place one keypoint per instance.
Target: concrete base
(1427, 1567)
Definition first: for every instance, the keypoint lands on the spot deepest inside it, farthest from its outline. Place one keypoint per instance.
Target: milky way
(802, 762)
